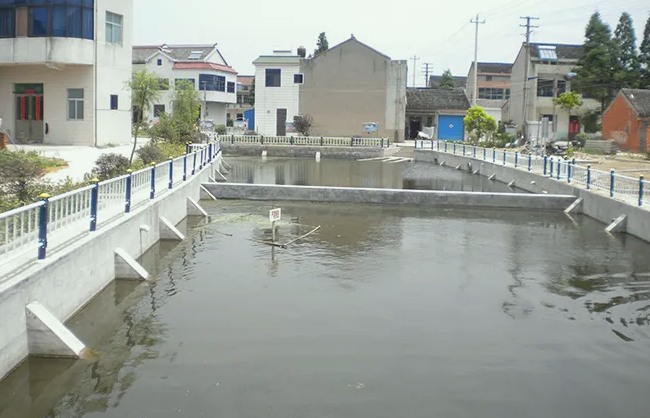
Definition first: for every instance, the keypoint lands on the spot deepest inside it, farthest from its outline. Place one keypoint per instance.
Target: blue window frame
(211, 82)
(57, 18)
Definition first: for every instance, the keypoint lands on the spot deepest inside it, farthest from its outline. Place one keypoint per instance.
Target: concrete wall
(269, 99)
(351, 84)
(389, 196)
(68, 279)
(598, 206)
(302, 151)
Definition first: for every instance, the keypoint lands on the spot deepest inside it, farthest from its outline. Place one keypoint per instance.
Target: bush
(581, 140)
(165, 130)
(221, 129)
(110, 165)
(19, 170)
(151, 153)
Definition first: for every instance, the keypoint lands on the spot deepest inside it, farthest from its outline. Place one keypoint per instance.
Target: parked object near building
(201, 65)
(62, 75)
(341, 89)
(442, 109)
(627, 120)
(549, 68)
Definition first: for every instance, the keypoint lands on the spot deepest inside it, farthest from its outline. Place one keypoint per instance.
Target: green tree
(251, 94)
(19, 172)
(303, 124)
(145, 90)
(479, 124)
(627, 61)
(186, 108)
(644, 57)
(568, 101)
(595, 72)
(447, 80)
(321, 45)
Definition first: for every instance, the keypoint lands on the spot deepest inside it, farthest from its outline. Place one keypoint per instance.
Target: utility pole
(529, 30)
(415, 59)
(427, 66)
(475, 90)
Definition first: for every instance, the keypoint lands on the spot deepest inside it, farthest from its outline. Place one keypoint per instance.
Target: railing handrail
(71, 193)
(18, 211)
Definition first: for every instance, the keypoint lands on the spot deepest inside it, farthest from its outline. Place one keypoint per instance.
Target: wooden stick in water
(301, 237)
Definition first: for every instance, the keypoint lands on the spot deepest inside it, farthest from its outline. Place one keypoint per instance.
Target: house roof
(176, 52)
(432, 99)
(495, 67)
(246, 80)
(563, 51)
(277, 59)
(639, 99)
(434, 80)
(203, 66)
(355, 40)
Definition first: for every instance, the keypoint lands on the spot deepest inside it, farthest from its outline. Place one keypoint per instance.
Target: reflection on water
(384, 312)
(371, 174)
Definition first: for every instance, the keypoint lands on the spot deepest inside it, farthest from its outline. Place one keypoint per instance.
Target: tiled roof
(494, 67)
(563, 51)
(640, 100)
(434, 80)
(246, 80)
(432, 99)
(176, 52)
(203, 66)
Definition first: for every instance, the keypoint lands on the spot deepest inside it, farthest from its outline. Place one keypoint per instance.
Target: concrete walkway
(80, 159)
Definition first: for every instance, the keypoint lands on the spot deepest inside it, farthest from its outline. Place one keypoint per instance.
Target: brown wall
(349, 85)
(620, 124)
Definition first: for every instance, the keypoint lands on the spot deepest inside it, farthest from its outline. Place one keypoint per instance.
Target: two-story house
(343, 88)
(201, 65)
(63, 69)
(492, 86)
(245, 98)
(550, 69)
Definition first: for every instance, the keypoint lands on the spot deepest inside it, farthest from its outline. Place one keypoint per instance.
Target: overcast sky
(435, 31)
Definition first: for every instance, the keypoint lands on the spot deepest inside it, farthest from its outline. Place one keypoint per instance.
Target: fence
(314, 141)
(55, 220)
(627, 189)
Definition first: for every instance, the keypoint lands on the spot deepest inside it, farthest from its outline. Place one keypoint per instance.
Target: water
(384, 312)
(343, 173)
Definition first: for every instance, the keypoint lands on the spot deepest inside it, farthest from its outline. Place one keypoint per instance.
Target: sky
(437, 32)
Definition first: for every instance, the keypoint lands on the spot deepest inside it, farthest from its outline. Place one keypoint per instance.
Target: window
(544, 88)
(163, 84)
(273, 76)
(113, 28)
(158, 109)
(298, 78)
(240, 116)
(488, 78)
(159, 62)
(191, 81)
(75, 104)
(195, 55)
(231, 87)
(491, 93)
(114, 102)
(507, 93)
(7, 23)
(212, 82)
(547, 53)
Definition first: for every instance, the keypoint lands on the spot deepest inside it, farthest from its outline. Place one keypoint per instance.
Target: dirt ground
(631, 165)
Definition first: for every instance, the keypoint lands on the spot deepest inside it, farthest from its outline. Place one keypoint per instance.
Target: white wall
(269, 99)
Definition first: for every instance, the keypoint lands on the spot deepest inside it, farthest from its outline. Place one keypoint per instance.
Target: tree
(186, 108)
(321, 45)
(568, 101)
(145, 90)
(644, 57)
(479, 124)
(627, 62)
(447, 80)
(251, 94)
(19, 171)
(595, 72)
(303, 124)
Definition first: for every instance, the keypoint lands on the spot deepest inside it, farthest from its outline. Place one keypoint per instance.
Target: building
(531, 96)
(493, 86)
(245, 98)
(460, 81)
(343, 88)
(442, 109)
(627, 120)
(63, 71)
(201, 65)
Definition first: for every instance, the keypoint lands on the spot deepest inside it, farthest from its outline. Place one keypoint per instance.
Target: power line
(475, 90)
(415, 59)
(427, 66)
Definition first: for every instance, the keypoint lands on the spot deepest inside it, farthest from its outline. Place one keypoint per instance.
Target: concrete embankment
(304, 151)
(621, 216)
(389, 196)
(49, 292)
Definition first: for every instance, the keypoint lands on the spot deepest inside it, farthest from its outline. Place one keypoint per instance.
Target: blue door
(451, 127)
(249, 115)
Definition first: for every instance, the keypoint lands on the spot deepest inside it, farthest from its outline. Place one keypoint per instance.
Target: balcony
(63, 51)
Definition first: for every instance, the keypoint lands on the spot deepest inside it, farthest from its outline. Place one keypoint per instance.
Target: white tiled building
(202, 65)
(63, 70)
